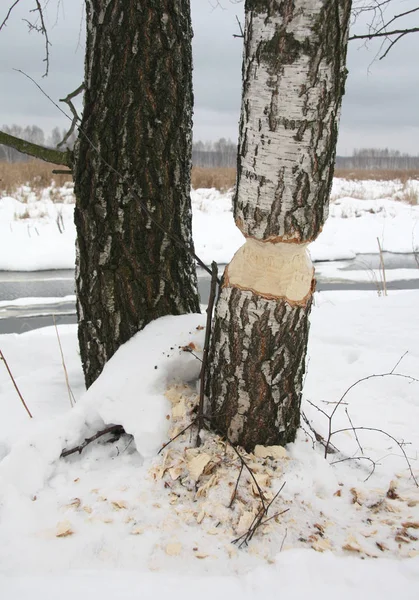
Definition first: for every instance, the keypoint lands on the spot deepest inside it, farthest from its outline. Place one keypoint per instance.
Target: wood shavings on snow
(204, 492)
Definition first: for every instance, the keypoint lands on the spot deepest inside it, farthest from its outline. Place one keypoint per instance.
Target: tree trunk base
(256, 367)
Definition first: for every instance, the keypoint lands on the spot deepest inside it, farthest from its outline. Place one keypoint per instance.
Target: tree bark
(293, 82)
(137, 118)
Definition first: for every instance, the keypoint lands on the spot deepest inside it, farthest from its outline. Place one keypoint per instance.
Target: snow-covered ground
(38, 233)
(119, 520)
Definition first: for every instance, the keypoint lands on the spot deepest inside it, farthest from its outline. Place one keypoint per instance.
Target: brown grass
(222, 179)
(35, 173)
(38, 175)
(377, 174)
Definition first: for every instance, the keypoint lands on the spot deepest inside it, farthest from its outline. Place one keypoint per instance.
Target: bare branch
(47, 154)
(8, 14)
(400, 444)
(42, 30)
(372, 35)
(76, 118)
(235, 35)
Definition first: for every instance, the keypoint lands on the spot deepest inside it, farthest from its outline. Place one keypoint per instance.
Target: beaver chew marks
(273, 270)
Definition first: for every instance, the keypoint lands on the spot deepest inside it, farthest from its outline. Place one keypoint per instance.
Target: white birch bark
(293, 83)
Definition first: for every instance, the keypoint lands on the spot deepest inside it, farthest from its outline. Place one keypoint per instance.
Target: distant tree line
(377, 158)
(223, 153)
(36, 135)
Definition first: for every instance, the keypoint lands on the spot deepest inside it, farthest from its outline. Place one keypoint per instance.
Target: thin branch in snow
(335, 462)
(3, 358)
(400, 444)
(116, 430)
(70, 391)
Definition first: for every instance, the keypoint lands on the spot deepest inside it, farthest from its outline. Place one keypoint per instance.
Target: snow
(38, 233)
(122, 520)
(136, 528)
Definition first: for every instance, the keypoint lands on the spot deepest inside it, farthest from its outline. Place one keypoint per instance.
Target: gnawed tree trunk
(293, 82)
(137, 117)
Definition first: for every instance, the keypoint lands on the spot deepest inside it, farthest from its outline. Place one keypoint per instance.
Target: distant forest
(222, 153)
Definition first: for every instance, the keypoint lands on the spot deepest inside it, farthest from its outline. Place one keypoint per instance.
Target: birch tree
(293, 82)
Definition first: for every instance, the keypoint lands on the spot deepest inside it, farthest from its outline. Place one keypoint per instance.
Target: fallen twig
(115, 429)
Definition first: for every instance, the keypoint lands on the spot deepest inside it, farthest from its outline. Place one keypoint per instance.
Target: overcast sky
(380, 108)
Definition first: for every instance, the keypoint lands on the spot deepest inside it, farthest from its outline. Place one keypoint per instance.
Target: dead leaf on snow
(63, 529)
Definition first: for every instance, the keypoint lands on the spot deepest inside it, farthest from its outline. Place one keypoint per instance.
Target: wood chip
(352, 545)
(75, 503)
(276, 452)
(197, 464)
(412, 524)
(137, 531)
(173, 549)
(245, 522)
(63, 529)
(119, 504)
(321, 545)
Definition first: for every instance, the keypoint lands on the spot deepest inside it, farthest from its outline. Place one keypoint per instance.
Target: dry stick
(68, 101)
(124, 181)
(213, 290)
(329, 447)
(3, 358)
(354, 430)
(258, 521)
(178, 435)
(234, 494)
(117, 429)
(70, 392)
(383, 270)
